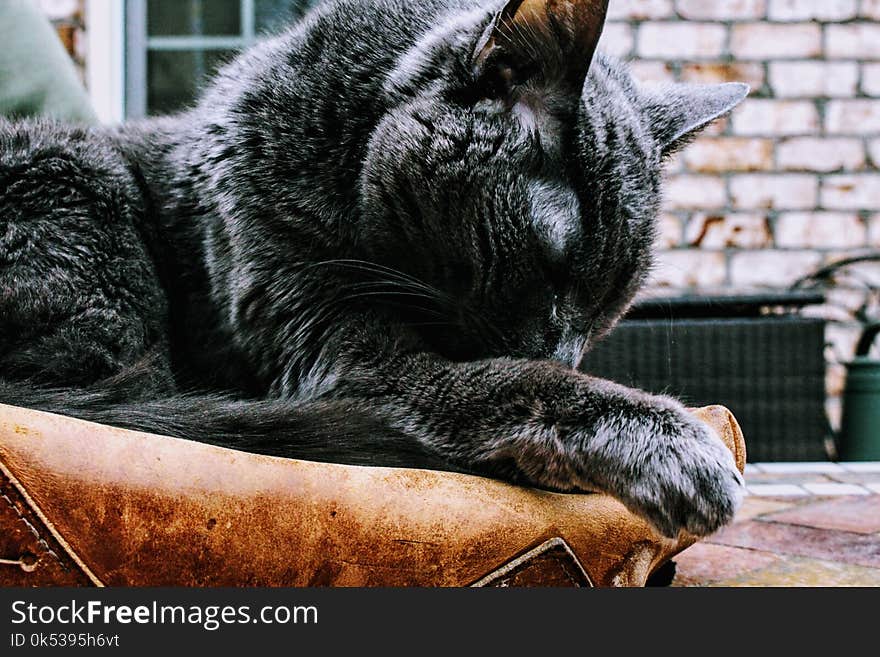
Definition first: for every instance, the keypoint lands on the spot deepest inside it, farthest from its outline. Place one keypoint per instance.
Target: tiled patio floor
(803, 524)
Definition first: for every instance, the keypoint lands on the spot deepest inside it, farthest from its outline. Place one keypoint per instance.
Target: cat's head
(519, 175)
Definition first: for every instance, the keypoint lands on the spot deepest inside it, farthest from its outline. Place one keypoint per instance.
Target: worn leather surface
(88, 504)
(30, 555)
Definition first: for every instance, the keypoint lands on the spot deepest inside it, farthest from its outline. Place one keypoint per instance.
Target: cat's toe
(690, 482)
(709, 488)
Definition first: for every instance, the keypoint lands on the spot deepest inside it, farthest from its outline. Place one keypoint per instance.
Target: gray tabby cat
(386, 236)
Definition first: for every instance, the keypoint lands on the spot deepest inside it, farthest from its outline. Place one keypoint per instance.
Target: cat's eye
(557, 274)
(496, 82)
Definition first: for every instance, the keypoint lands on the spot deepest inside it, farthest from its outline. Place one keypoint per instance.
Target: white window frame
(116, 51)
(105, 58)
(137, 43)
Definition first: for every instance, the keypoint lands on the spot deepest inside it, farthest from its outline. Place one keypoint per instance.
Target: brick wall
(790, 181)
(67, 18)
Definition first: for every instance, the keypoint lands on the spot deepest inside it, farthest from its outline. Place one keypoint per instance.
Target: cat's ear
(553, 40)
(677, 113)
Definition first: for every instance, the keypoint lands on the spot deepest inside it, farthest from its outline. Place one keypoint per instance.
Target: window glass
(185, 41)
(193, 17)
(274, 15)
(177, 75)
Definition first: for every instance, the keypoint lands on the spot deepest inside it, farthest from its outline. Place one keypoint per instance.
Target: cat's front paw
(679, 474)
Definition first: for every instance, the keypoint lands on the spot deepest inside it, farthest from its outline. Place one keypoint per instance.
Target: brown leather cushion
(86, 504)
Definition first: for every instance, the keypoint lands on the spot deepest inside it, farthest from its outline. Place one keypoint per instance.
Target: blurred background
(154, 55)
(768, 271)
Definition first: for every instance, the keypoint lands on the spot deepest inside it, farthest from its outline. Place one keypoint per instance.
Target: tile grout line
(814, 467)
(830, 489)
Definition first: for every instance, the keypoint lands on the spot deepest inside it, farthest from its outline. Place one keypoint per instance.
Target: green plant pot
(860, 426)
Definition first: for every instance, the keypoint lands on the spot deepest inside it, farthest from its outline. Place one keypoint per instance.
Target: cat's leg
(539, 423)
(79, 297)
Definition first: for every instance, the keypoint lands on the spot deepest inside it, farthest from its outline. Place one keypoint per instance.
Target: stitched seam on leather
(526, 556)
(44, 545)
(564, 566)
(580, 569)
(47, 524)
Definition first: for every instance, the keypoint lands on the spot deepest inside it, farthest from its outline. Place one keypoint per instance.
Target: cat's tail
(338, 431)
